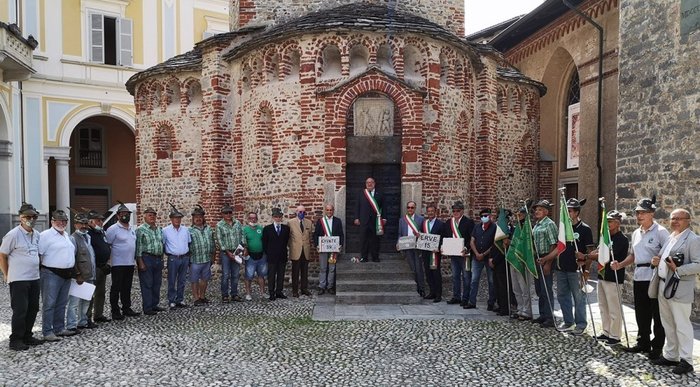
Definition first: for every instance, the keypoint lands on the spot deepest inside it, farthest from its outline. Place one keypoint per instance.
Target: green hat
(198, 210)
(174, 212)
(59, 215)
(28, 210)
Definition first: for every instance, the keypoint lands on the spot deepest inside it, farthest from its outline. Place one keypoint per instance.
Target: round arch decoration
(80, 114)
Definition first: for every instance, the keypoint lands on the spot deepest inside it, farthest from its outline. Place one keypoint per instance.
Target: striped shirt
(545, 235)
(229, 236)
(202, 244)
(149, 240)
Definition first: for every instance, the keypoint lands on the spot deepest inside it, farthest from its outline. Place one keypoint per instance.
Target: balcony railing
(90, 159)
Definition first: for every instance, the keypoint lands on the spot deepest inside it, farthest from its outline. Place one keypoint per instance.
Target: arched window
(384, 58)
(572, 125)
(331, 62)
(359, 57)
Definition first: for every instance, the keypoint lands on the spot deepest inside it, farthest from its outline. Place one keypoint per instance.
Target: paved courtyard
(281, 344)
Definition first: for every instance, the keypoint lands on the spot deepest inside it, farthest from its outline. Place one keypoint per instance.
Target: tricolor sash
(375, 206)
(433, 255)
(327, 225)
(455, 228)
(412, 224)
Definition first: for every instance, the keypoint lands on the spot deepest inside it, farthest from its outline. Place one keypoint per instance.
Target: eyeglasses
(411, 207)
(29, 217)
(680, 218)
(457, 210)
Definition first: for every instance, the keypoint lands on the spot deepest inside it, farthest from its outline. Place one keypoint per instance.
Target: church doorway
(373, 150)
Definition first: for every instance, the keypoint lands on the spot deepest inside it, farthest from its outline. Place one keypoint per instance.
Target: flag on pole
(604, 243)
(566, 230)
(525, 251)
(501, 231)
(511, 255)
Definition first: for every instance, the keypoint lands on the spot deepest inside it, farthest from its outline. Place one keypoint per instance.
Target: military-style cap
(544, 203)
(227, 209)
(123, 208)
(277, 212)
(647, 204)
(92, 214)
(575, 203)
(616, 215)
(522, 210)
(458, 206)
(28, 210)
(80, 218)
(485, 211)
(174, 212)
(150, 210)
(59, 215)
(198, 210)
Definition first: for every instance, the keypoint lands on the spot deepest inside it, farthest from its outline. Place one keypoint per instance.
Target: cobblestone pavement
(277, 343)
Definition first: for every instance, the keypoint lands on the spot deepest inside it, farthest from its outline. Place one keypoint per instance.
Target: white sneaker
(577, 331)
(172, 305)
(564, 327)
(51, 337)
(248, 297)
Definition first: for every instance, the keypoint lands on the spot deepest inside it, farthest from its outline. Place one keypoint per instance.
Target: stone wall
(658, 114)
(447, 13)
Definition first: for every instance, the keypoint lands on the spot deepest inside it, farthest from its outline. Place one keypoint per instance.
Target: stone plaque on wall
(690, 17)
(373, 117)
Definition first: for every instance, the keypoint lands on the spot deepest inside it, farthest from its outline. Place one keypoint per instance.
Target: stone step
(381, 267)
(373, 275)
(376, 285)
(410, 297)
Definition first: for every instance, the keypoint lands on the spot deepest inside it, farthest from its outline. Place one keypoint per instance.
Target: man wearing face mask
(482, 242)
(102, 253)
(19, 262)
(275, 239)
(122, 238)
(300, 231)
(57, 264)
(77, 316)
(257, 264)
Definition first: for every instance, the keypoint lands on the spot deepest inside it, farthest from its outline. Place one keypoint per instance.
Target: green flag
(525, 249)
(604, 243)
(511, 256)
(501, 231)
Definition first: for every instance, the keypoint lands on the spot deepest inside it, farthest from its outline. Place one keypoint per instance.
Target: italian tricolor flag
(566, 231)
(604, 243)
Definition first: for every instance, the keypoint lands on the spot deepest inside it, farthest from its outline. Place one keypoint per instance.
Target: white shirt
(56, 249)
(663, 266)
(22, 250)
(176, 240)
(645, 245)
(123, 242)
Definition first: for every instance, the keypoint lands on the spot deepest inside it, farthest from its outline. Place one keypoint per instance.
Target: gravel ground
(276, 343)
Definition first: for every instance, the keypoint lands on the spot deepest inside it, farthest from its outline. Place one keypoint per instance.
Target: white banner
(329, 244)
(428, 242)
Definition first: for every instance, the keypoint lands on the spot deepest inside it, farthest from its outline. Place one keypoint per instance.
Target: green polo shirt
(253, 237)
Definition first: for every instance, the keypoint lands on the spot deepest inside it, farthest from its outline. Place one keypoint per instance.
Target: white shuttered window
(110, 39)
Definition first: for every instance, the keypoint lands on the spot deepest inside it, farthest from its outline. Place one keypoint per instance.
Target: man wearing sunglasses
(19, 262)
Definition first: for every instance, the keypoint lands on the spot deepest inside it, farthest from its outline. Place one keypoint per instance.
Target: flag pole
(505, 254)
(582, 277)
(617, 284)
(544, 282)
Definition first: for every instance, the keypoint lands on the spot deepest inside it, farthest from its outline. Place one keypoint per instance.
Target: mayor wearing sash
(460, 226)
(431, 259)
(328, 226)
(368, 215)
(409, 226)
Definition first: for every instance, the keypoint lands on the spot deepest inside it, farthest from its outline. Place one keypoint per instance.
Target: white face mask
(98, 228)
(485, 219)
(60, 228)
(28, 223)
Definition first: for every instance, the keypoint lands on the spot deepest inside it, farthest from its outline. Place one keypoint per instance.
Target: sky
(485, 13)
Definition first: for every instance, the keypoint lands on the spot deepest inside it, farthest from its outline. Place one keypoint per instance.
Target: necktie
(278, 229)
(85, 237)
(301, 225)
(430, 225)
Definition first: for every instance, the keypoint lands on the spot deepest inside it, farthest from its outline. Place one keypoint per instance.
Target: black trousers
(645, 310)
(433, 276)
(24, 301)
(500, 282)
(300, 266)
(275, 277)
(98, 299)
(369, 242)
(122, 278)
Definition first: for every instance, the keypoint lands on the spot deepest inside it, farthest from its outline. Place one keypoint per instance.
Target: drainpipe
(599, 126)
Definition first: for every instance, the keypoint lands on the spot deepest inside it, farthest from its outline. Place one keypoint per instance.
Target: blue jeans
(326, 271)
(543, 299)
(177, 276)
(477, 267)
(569, 292)
(54, 298)
(461, 278)
(77, 311)
(150, 281)
(231, 273)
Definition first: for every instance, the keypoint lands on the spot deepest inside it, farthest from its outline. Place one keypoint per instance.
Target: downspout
(599, 125)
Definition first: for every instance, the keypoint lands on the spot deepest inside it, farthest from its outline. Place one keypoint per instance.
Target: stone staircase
(389, 281)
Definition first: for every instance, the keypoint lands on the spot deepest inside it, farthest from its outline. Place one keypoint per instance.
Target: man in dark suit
(431, 260)
(460, 226)
(275, 238)
(409, 226)
(368, 217)
(328, 225)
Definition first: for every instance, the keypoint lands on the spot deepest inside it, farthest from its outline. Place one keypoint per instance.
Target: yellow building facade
(67, 125)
